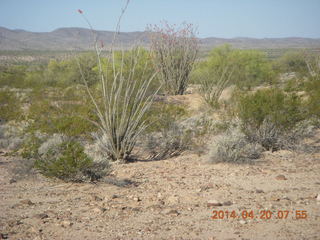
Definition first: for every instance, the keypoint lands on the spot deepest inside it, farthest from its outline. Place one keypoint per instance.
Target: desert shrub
(70, 116)
(11, 136)
(200, 128)
(66, 161)
(292, 61)
(66, 72)
(313, 93)
(216, 74)
(225, 66)
(162, 115)
(10, 106)
(179, 134)
(12, 76)
(234, 147)
(30, 146)
(165, 137)
(270, 117)
(280, 109)
(170, 142)
(174, 53)
(294, 84)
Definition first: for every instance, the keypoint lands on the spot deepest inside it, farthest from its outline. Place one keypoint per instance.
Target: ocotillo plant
(123, 101)
(212, 84)
(174, 53)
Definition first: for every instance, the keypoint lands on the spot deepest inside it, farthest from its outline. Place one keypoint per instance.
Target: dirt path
(169, 199)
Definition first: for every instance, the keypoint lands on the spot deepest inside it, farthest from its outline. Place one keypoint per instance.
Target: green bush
(66, 161)
(12, 76)
(10, 106)
(162, 115)
(70, 116)
(272, 104)
(313, 102)
(71, 71)
(292, 61)
(30, 147)
(250, 67)
(270, 117)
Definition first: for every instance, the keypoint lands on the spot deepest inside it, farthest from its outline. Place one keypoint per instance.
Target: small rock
(318, 197)
(12, 180)
(285, 198)
(213, 203)
(172, 212)
(66, 223)
(275, 198)
(41, 216)
(227, 203)
(136, 209)
(281, 177)
(137, 199)
(173, 200)
(114, 196)
(12, 223)
(97, 198)
(242, 222)
(4, 236)
(98, 210)
(26, 202)
(259, 191)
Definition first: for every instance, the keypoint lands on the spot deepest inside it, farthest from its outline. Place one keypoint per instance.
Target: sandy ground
(168, 199)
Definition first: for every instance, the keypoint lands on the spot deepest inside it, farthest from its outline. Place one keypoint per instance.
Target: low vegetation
(73, 117)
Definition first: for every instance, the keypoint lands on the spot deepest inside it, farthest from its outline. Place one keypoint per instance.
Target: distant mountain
(82, 39)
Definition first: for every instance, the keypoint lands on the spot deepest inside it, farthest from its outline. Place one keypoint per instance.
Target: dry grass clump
(233, 146)
(168, 143)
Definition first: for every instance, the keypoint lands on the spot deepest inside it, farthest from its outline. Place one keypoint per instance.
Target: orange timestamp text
(261, 214)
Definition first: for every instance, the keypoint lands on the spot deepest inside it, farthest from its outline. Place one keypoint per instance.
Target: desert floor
(169, 199)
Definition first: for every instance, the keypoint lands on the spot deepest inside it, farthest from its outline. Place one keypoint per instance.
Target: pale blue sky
(215, 18)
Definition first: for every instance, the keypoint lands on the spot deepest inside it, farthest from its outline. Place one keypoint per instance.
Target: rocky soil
(168, 199)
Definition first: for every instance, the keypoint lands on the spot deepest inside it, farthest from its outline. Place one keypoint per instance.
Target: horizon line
(99, 30)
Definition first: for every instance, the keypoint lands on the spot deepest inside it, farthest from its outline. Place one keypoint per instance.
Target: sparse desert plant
(66, 161)
(213, 82)
(70, 114)
(162, 115)
(274, 119)
(66, 72)
(292, 61)
(11, 135)
(233, 146)
(170, 142)
(313, 65)
(123, 101)
(226, 66)
(282, 110)
(10, 106)
(174, 53)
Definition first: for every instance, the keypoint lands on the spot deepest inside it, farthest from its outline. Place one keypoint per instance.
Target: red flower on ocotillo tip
(80, 11)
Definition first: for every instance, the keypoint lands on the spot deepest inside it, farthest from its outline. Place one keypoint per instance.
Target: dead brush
(174, 53)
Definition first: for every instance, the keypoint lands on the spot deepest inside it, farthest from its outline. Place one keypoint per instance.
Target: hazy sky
(216, 18)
